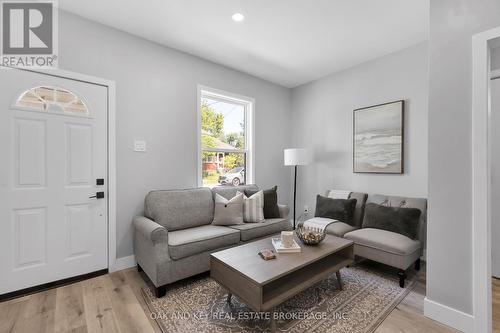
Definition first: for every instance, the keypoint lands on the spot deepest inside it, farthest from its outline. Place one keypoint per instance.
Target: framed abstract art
(378, 138)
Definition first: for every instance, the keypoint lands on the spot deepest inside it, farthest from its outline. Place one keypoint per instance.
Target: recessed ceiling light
(238, 17)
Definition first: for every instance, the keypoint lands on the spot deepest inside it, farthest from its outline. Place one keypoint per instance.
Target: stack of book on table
(280, 248)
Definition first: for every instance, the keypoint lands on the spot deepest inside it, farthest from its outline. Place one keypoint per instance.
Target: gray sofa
(384, 246)
(174, 238)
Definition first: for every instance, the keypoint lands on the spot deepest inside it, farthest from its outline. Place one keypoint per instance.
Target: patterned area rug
(199, 305)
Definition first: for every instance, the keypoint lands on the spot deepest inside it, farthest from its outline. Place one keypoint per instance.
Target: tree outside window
(223, 140)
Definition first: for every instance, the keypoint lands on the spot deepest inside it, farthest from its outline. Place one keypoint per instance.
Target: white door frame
(481, 192)
(111, 136)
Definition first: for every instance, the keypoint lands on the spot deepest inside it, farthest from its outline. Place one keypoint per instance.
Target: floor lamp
(295, 157)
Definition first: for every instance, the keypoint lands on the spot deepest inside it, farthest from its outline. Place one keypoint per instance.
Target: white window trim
(249, 129)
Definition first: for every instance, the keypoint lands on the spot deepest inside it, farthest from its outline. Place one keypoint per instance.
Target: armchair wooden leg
(160, 291)
(417, 264)
(402, 278)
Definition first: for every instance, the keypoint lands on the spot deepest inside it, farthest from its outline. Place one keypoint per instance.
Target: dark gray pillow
(403, 221)
(271, 209)
(337, 209)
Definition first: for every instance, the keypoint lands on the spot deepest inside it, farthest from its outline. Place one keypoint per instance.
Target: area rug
(199, 305)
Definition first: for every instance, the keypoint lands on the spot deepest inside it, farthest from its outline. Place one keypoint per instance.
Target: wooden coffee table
(263, 285)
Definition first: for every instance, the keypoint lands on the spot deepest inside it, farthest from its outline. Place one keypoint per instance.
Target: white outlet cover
(140, 145)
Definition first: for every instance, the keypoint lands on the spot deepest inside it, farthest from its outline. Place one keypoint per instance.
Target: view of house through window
(224, 148)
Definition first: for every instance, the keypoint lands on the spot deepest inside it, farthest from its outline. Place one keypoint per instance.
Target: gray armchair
(388, 247)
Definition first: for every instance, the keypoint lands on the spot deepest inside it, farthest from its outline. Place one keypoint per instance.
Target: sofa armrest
(151, 230)
(284, 211)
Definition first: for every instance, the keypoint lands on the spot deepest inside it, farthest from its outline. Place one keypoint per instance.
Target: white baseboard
(451, 317)
(123, 263)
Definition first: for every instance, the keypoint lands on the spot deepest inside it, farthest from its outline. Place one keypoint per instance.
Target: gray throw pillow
(403, 221)
(228, 212)
(337, 209)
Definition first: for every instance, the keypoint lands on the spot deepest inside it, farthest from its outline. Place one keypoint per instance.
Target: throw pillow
(253, 207)
(271, 209)
(337, 209)
(228, 212)
(403, 221)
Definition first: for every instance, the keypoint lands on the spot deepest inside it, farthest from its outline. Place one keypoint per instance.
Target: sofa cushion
(339, 229)
(337, 209)
(359, 210)
(229, 191)
(187, 242)
(403, 221)
(383, 240)
(180, 209)
(249, 231)
(228, 212)
(271, 208)
(253, 207)
(404, 202)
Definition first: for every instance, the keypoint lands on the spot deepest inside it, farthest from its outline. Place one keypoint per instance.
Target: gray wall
(157, 102)
(322, 122)
(449, 227)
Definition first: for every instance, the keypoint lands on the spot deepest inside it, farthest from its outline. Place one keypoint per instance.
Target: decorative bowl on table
(310, 236)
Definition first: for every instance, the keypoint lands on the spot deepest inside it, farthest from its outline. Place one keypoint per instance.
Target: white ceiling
(289, 42)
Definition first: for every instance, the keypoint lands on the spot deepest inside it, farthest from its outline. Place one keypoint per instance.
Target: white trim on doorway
(113, 264)
(481, 198)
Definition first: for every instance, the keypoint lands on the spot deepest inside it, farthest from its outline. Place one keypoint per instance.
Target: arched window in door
(51, 99)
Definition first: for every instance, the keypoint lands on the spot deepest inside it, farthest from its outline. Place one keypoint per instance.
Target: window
(52, 99)
(225, 132)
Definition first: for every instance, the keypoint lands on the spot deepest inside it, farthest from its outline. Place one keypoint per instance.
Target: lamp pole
(295, 198)
(295, 157)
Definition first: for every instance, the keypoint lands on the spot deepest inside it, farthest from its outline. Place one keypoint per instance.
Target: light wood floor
(496, 305)
(113, 303)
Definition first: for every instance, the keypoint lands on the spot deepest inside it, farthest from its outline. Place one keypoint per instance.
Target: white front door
(54, 135)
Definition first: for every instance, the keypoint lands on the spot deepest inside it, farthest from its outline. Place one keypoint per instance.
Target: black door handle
(98, 195)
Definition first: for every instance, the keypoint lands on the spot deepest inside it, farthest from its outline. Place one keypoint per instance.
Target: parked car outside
(233, 177)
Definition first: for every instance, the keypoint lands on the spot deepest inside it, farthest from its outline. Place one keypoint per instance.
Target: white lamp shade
(296, 156)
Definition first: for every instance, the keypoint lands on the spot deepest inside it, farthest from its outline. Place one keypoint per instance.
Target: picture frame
(378, 138)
